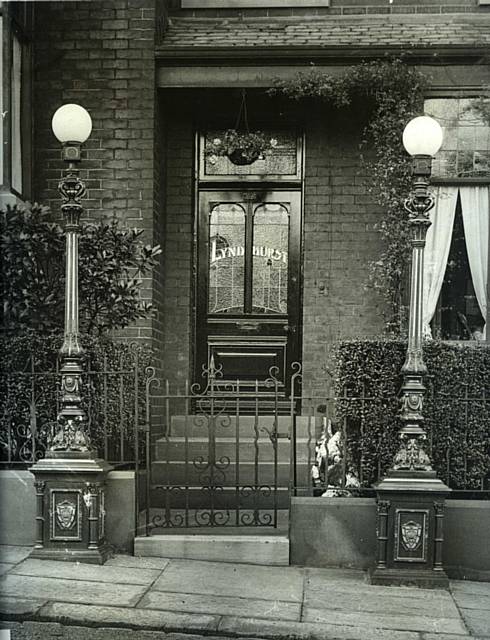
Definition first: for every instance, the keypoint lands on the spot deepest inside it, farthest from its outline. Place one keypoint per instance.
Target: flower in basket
(240, 147)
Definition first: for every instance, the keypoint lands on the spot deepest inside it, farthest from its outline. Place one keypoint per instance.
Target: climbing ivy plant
(481, 105)
(391, 93)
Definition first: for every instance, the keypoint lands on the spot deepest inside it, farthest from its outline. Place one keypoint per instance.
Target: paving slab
(83, 571)
(446, 636)
(338, 574)
(70, 590)
(378, 621)
(222, 605)
(5, 566)
(469, 586)
(317, 582)
(477, 621)
(438, 605)
(120, 617)
(472, 601)
(17, 607)
(281, 630)
(242, 580)
(138, 562)
(12, 554)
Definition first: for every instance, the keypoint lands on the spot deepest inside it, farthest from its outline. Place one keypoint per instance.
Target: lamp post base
(70, 516)
(410, 512)
(424, 578)
(88, 556)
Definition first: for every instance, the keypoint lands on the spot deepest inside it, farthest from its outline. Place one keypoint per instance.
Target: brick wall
(101, 55)
(178, 246)
(339, 242)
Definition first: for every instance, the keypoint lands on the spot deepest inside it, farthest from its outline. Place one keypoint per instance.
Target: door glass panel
(270, 259)
(226, 258)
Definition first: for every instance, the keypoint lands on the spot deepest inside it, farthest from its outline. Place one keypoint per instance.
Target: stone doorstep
(247, 549)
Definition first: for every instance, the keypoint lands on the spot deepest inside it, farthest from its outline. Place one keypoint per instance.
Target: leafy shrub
(29, 395)
(456, 408)
(112, 261)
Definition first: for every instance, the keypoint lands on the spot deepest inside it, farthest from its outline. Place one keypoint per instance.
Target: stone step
(247, 549)
(179, 473)
(228, 425)
(181, 449)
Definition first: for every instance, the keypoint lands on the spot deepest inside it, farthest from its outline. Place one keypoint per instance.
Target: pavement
(225, 600)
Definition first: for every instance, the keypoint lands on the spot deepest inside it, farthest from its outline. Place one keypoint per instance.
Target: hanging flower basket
(241, 148)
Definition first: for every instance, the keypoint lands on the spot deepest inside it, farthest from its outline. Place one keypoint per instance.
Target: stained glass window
(270, 259)
(227, 259)
(281, 161)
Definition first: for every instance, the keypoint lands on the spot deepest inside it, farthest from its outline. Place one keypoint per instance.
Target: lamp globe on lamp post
(72, 126)
(410, 498)
(69, 481)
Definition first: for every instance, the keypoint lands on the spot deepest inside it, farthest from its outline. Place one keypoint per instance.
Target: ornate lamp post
(70, 480)
(410, 498)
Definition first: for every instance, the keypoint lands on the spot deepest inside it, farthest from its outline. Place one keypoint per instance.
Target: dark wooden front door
(248, 284)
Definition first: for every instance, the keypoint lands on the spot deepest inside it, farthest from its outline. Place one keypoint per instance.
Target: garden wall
(341, 532)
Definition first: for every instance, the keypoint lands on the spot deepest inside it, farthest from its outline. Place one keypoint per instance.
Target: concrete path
(235, 600)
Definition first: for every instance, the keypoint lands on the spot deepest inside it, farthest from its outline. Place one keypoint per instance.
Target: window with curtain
(16, 115)
(456, 256)
(456, 264)
(16, 23)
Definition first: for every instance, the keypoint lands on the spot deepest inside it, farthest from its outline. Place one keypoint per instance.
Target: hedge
(456, 408)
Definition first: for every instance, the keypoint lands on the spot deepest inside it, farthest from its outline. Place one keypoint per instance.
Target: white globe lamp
(422, 136)
(71, 123)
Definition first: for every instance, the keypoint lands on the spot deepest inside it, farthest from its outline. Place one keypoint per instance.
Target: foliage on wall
(29, 388)
(391, 93)
(481, 105)
(113, 260)
(456, 408)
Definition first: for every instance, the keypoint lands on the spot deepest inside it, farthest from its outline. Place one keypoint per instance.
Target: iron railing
(230, 455)
(113, 398)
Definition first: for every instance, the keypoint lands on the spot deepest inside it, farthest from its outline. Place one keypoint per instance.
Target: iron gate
(224, 455)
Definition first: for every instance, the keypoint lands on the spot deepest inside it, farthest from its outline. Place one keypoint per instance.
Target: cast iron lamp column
(70, 480)
(410, 498)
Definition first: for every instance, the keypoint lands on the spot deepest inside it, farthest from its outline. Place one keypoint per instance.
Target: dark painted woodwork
(246, 344)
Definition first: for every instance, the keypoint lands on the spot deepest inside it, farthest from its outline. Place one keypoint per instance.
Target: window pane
(465, 150)
(16, 88)
(270, 259)
(226, 259)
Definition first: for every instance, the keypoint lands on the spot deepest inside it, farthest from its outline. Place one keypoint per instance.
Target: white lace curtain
(475, 206)
(475, 211)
